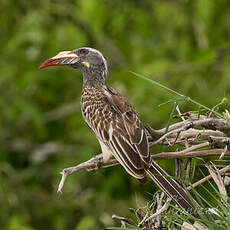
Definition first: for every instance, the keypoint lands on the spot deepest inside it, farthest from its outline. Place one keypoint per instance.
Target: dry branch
(95, 163)
(214, 134)
(200, 136)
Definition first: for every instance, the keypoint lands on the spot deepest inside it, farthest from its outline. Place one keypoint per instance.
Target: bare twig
(226, 181)
(227, 114)
(205, 122)
(215, 173)
(188, 170)
(124, 219)
(194, 147)
(183, 128)
(185, 133)
(161, 210)
(96, 163)
(181, 154)
(203, 180)
(179, 168)
(180, 114)
(92, 164)
(224, 152)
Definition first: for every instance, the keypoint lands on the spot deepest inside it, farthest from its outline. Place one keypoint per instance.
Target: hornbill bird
(116, 124)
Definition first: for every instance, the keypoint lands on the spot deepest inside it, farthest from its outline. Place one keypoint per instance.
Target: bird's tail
(171, 187)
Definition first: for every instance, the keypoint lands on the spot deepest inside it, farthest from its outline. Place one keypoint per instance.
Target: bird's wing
(129, 122)
(122, 131)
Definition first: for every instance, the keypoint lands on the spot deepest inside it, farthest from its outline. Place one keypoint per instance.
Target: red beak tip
(49, 62)
(43, 65)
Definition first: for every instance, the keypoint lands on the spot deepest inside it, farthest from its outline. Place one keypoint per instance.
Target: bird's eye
(83, 51)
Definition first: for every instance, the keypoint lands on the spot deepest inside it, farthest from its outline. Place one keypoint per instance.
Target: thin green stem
(178, 94)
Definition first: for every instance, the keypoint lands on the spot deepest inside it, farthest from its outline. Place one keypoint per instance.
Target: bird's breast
(95, 109)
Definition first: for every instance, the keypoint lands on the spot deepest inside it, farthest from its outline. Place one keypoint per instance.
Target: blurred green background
(182, 44)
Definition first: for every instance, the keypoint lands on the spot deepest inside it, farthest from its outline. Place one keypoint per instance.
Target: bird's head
(89, 61)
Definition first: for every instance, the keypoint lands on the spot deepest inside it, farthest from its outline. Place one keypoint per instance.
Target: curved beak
(63, 58)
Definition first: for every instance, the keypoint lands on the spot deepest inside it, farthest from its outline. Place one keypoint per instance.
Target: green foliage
(116, 228)
(217, 217)
(181, 44)
(16, 224)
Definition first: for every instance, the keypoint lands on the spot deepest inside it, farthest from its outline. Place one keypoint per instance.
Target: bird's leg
(101, 160)
(106, 153)
(98, 162)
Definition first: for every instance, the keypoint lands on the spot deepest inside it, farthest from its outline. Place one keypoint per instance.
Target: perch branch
(92, 164)
(184, 133)
(96, 162)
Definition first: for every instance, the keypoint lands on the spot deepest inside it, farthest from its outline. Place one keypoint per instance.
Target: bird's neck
(93, 79)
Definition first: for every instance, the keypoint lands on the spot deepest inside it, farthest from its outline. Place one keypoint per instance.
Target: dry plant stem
(202, 153)
(95, 163)
(203, 180)
(179, 133)
(185, 127)
(124, 219)
(191, 137)
(215, 124)
(180, 114)
(213, 127)
(227, 114)
(157, 219)
(139, 213)
(188, 170)
(195, 226)
(189, 149)
(161, 210)
(219, 142)
(214, 172)
(179, 168)
(183, 119)
(143, 220)
(156, 222)
(226, 181)
(92, 164)
(223, 153)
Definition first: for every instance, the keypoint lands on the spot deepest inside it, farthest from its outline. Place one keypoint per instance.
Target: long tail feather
(171, 187)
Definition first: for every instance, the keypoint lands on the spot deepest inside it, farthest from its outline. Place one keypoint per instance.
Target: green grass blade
(170, 117)
(118, 228)
(174, 100)
(178, 94)
(158, 84)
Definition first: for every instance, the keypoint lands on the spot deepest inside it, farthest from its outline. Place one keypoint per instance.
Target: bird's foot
(98, 162)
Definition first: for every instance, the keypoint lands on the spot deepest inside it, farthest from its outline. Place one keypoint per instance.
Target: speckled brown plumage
(116, 124)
